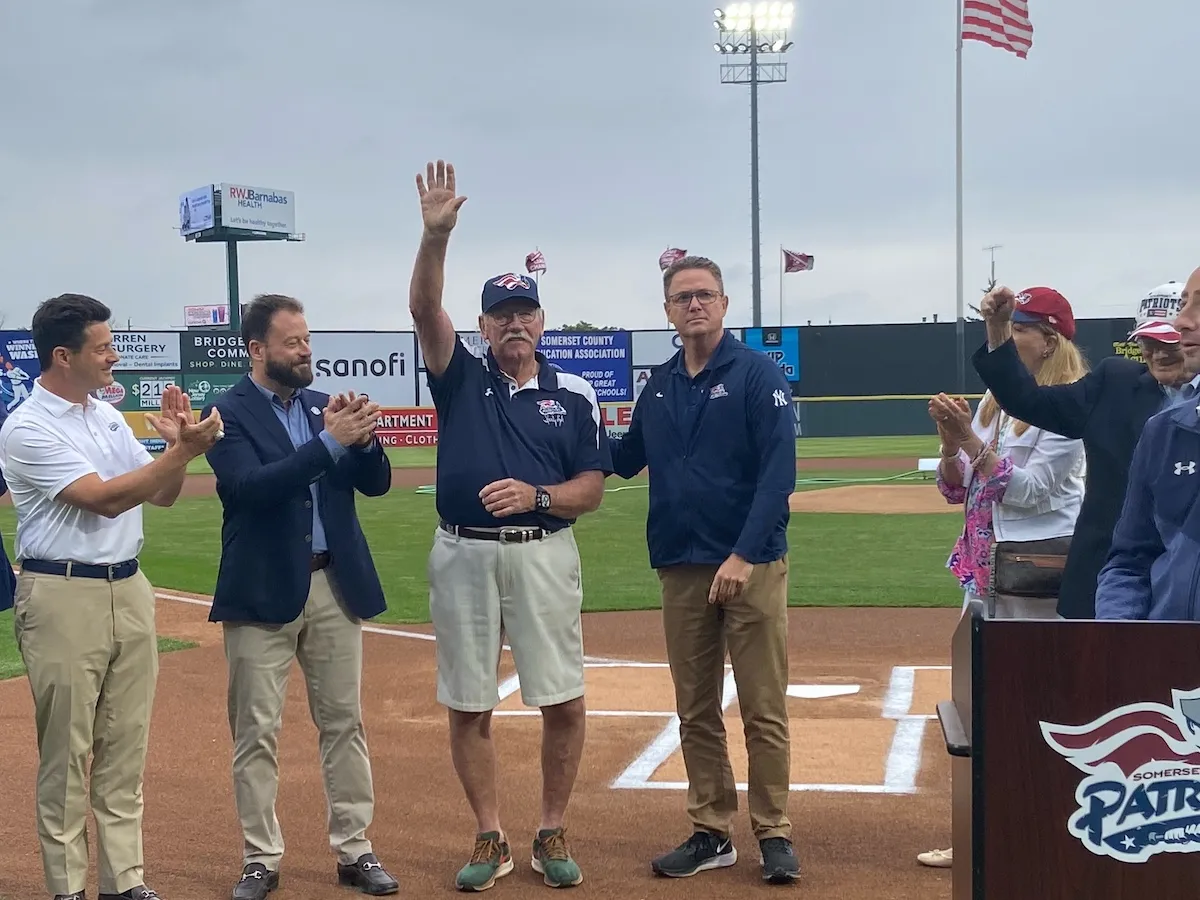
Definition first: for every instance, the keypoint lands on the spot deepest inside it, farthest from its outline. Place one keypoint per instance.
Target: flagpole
(960, 323)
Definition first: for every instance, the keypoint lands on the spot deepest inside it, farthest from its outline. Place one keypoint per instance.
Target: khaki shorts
(481, 592)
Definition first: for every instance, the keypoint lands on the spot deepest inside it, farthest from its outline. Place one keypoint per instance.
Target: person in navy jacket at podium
(8, 578)
(296, 580)
(1153, 566)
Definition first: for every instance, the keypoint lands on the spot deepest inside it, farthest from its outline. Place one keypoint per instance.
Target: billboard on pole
(258, 209)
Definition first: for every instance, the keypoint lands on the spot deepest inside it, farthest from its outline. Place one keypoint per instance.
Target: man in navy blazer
(296, 580)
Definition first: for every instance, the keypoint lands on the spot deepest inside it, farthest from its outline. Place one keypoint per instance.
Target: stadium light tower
(754, 29)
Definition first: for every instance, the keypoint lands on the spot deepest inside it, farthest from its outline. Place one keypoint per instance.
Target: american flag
(796, 262)
(1000, 23)
(535, 262)
(670, 255)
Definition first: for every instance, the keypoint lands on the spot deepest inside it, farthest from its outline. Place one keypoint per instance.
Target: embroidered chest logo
(1190, 468)
(552, 412)
(780, 398)
(718, 391)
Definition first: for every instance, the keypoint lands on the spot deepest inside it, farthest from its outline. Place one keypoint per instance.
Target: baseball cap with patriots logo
(1156, 314)
(509, 286)
(1045, 306)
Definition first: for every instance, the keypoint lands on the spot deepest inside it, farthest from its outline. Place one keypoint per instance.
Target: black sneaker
(703, 850)
(779, 862)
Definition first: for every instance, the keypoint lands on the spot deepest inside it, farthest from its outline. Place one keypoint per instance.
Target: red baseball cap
(1045, 306)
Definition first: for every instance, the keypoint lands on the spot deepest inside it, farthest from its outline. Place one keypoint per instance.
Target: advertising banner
(213, 314)
(145, 434)
(781, 344)
(599, 357)
(213, 353)
(640, 377)
(132, 391)
(196, 210)
(204, 389)
(650, 348)
(407, 427)
(380, 364)
(258, 209)
(18, 367)
(146, 351)
(615, 417)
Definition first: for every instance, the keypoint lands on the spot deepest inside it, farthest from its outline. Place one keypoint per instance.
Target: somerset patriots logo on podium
(1141, 795)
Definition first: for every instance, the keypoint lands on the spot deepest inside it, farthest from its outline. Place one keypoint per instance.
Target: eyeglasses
(523, 315)
(684, 298)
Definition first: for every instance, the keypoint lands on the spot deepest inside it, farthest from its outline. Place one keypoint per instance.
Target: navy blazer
(266, 527)
(8, 579)
(1107, 409)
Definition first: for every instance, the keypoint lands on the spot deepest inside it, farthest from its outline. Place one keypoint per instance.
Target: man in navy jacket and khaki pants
(714, 426)
(295, 582)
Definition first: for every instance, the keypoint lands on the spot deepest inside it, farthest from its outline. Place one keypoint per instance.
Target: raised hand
(997, 305)
(439, 202)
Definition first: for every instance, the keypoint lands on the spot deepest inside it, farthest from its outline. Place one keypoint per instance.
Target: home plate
(819, 691)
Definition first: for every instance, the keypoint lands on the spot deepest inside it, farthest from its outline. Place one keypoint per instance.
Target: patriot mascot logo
(1141, 793)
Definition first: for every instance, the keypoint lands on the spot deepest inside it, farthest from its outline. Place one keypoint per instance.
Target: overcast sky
(599, 133)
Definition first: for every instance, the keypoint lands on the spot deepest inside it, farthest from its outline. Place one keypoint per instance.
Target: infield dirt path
(854, 846)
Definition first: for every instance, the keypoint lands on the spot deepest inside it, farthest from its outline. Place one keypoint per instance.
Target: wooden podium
(1076, 759)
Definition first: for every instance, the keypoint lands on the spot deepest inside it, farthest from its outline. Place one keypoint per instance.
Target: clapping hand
(953, 418)
(351, 420)
(175, 412)
(439, 202)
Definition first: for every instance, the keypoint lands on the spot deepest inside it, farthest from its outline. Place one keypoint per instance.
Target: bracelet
(944, 454)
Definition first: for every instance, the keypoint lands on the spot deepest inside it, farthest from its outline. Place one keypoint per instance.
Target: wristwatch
(541, 498)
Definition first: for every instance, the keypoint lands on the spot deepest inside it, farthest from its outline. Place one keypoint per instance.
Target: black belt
(508, 534)
(113, 572)
(319, 561)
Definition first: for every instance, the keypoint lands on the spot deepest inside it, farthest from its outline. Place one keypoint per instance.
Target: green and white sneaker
(490, 860)
(552, 860)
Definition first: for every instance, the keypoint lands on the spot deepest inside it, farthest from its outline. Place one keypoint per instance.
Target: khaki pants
(327, 642)
(481, 591)
(92, 655)
(754, 628)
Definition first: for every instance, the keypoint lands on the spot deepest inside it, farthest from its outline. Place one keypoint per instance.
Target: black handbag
(1027, 569)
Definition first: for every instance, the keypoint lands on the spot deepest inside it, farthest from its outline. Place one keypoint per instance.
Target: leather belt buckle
(518, 535)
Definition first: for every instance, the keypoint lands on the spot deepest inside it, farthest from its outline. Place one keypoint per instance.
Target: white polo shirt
(46, 444)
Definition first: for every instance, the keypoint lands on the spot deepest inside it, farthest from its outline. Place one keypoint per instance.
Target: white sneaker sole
(722, 861)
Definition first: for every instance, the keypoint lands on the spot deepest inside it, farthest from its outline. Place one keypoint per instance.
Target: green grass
(10, 660)
(836, 559)
(806, 448)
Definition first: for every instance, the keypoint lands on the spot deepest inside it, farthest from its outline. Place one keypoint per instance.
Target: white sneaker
(938, 859)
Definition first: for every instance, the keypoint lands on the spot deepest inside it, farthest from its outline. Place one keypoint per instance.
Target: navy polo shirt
(544, 432)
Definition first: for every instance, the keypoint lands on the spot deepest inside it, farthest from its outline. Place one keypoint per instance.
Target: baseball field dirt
(865, 685)
(874, 498)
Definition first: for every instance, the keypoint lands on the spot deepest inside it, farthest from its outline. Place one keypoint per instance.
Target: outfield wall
(846, 380)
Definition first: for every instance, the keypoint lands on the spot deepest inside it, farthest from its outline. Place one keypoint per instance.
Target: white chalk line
(904, 757)
(599, 661)
(900, 771)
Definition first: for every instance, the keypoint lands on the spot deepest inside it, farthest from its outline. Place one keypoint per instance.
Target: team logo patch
(511, 282)
(1142, 767)
(718, 390)
(552, 412)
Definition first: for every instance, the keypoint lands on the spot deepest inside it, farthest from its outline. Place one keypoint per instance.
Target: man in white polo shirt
(84, 612)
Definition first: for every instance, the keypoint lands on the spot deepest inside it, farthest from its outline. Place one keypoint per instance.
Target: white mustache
(515, 336)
